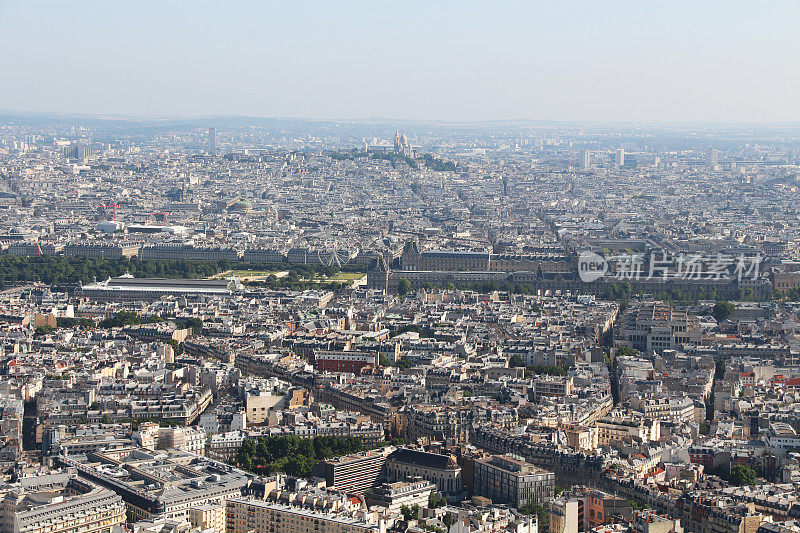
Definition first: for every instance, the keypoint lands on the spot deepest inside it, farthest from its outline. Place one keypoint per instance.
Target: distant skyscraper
(586, 159)
(77, 151)
(619, 157)
(713, 157)
(212, 140)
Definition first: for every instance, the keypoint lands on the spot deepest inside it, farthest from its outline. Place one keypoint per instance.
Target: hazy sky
(697, 60)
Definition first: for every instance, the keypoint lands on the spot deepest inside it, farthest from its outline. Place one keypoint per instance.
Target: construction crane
(163, 214)
(108, 206)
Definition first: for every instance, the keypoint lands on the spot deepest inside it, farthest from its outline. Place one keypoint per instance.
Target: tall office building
(212, 140)
(77, 151)
(713, 157)
(586, 159)
(619, 157)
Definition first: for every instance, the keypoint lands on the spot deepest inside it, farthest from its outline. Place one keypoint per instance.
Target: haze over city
(717, 61)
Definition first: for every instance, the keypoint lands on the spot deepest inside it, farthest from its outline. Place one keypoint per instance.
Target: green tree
(177, 347)
(404, 363)
(195, 323)
(120, 319)
(742, 475)
(719, 368)
(291, 454)
(403, 287)
(410, 513)
(43, 330)
(722, 310)
(245, 461)
(436, 500)
(299, 466)
(516, 361)
(541, 514)
(548, 370)
(626, 351)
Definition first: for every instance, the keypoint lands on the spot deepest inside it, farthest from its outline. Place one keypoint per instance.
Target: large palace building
(440, 268)
(549, 270)
(438, 261)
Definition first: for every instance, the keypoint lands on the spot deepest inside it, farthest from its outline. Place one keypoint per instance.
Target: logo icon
(591, 266)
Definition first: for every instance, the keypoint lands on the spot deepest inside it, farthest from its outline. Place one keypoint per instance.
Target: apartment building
(655, 327)
(619, 427)
(393, 496)
(563, 516)
(509, 479)
(188, 252)
(554, 386)
(245, 516)
(101, 250)
(207, 517)
(263, 255)
(602, 507)
(174, 481)
(60, 503)
(341, 361)
(648, 521)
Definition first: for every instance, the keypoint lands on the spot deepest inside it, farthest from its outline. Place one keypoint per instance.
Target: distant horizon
(163, 117)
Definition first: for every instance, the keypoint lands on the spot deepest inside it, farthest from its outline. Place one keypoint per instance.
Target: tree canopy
(548, 370)
(516, 361)
(128, 318)
(722, 311)
(291, 454)
(742, 475)
(410, 513)
(541, 514)
(59, 269)
(626, 351)
(403, 287)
